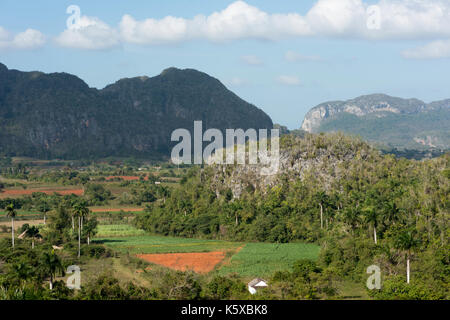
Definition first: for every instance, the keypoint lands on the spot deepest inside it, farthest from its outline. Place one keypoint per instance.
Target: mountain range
(389, 122)
(58, 115)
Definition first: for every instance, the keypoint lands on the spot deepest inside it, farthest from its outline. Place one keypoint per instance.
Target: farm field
(200, 262)
(115, 209)
(11, 193)
(245, 259)
(22, 213)
(262, 259)
(118, 230)
(161, 244)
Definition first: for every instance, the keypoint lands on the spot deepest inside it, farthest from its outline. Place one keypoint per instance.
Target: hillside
(58, 116)
(361, 206)
(387, 121)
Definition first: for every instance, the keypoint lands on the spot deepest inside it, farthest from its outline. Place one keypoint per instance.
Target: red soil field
(200, 262)
(77, 192)
(126, 178)
(116, 209)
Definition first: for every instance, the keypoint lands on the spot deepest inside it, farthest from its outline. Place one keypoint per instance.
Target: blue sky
(283, 56)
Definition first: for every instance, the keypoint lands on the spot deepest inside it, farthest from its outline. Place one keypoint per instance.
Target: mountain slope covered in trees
(58, 116)
(390, 122)
(362, 207)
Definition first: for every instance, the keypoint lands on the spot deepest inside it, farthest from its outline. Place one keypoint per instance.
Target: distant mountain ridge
(58, 115)
(388, 121)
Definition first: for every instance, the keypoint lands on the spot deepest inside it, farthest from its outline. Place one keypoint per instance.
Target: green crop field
(118, 230)
(253, 260)
(161, 244)
(263, 259)
(22, 213)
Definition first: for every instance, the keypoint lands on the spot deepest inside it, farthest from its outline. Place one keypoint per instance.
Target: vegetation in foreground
(361, 207)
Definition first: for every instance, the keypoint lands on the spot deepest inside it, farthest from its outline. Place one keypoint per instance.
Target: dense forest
(362, 207)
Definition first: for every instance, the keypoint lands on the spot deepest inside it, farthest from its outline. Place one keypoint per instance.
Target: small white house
(157, 182)
(256, 284)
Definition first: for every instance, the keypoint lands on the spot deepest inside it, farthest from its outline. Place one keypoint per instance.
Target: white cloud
(236, 81)
(434, 50)
(251, 60)
(238, 21)
(152, 31)
(89, 33)
(398, 19)
(288, 80)
(292, 56)
(28, 39)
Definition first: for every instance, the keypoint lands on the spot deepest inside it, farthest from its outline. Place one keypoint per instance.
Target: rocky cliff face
(379, 104)
(58, 115)
(390, 121)
(322, 158)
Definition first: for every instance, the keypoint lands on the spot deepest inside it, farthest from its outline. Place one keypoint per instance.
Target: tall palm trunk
(32, 243)
(51, 282)
(407, 270)
(12, 231)
(73, 224)
(321, 215)
(375, 234)
(45, 218)
(79, 236)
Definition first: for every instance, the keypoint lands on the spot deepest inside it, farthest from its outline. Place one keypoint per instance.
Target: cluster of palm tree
(80, 212)
(51, 263)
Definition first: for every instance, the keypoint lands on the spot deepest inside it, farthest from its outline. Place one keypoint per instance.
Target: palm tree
(371, 217)
(80, 210)
(33, 233)
(322, 198)
(164, 192)
(407, 242)
(351, 217)
(44, 208)
(50, 265)
(90, 228)
(22, 271)
(11, 213)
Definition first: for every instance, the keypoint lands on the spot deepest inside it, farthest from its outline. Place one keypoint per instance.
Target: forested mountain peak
(58, 115)
(388, 121)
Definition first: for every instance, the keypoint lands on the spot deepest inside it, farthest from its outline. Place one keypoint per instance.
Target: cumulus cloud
(393, 19)
(434, 50)
(252, 60)
(288, 80)
(28, 39)
(236, 81)
(344, 18)
(89, 33)
(292, 56)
